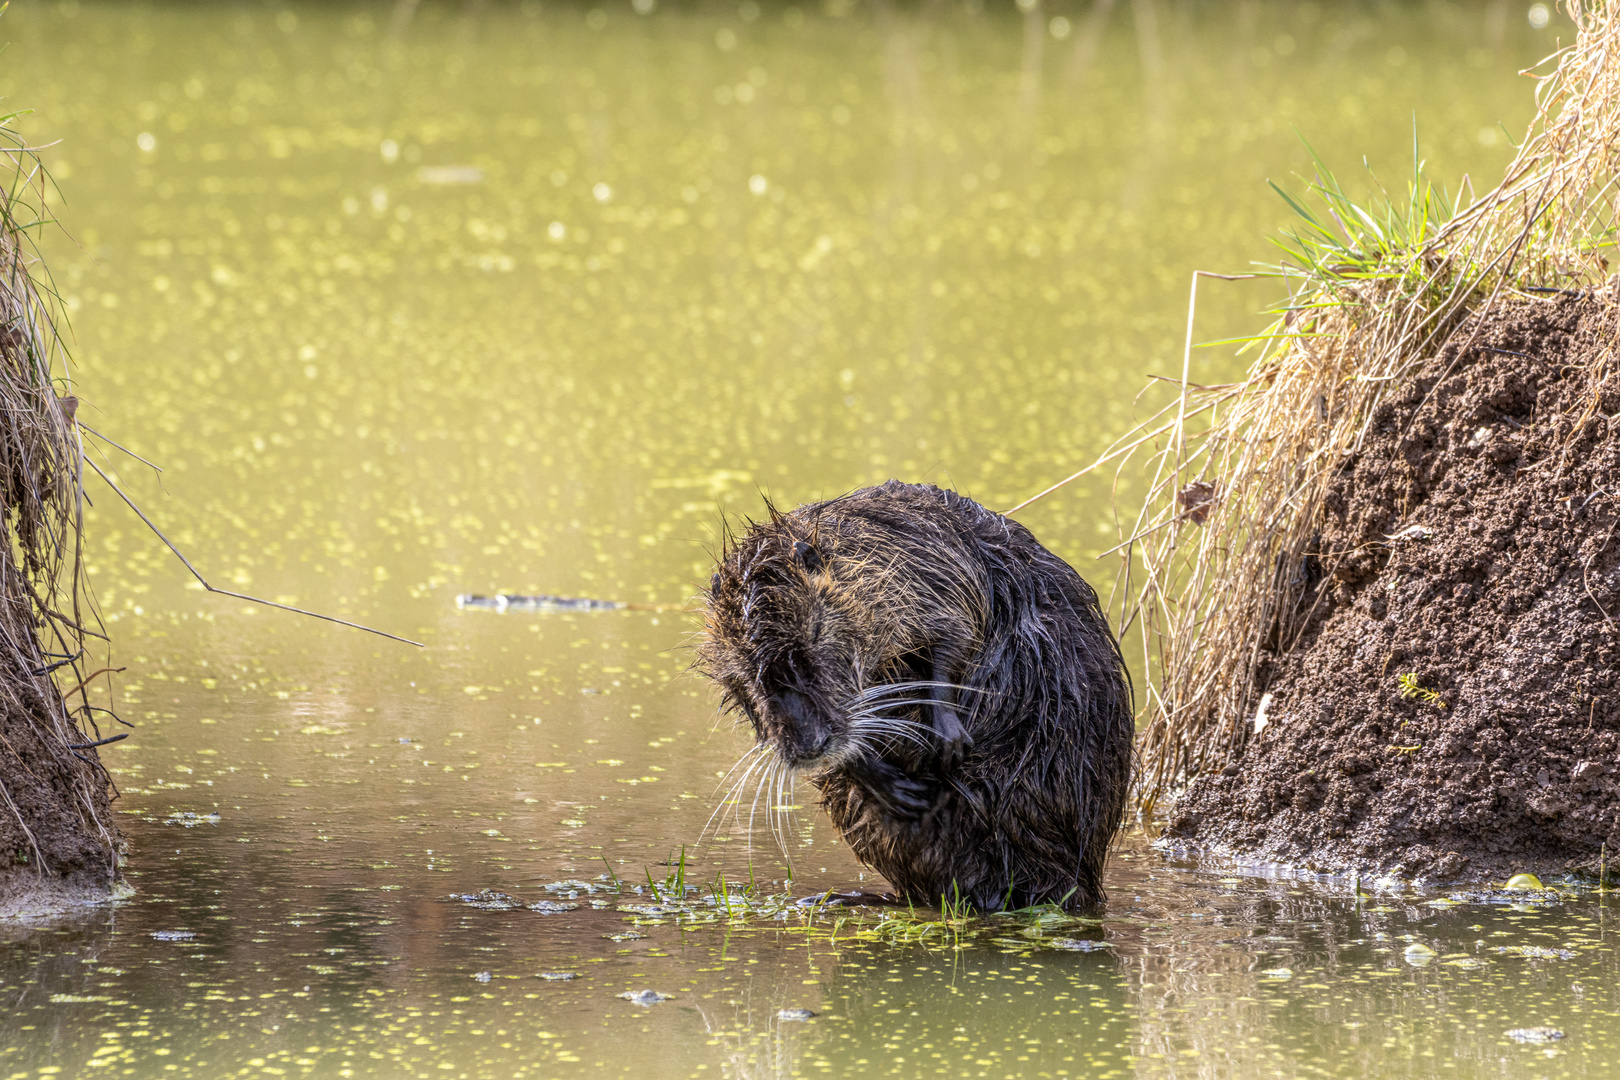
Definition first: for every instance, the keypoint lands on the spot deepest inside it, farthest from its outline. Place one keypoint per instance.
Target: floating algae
(644, 997)
(1536, 952)
(511, 602)
(550, 907)
(1419, 955)
(188, 819)
(487, 900)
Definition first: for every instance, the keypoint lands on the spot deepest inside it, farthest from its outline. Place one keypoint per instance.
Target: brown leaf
(1195, 500)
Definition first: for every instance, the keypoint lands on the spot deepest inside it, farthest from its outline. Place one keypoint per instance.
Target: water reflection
(1231, 976)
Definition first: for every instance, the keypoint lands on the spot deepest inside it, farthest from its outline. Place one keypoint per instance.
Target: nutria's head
(795, 640)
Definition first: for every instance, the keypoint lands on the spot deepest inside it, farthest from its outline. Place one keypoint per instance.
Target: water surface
(416, 301)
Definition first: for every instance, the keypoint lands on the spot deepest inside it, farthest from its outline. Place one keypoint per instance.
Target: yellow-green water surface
(412, 300)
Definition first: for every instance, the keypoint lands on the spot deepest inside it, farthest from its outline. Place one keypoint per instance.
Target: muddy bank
(30, 899)
(1449, 708)
(56, 849)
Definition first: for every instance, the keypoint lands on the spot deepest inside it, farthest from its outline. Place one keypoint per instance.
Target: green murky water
(413, 301)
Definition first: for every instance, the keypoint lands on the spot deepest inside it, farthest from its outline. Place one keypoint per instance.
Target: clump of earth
(57, 851)
(1448, 710)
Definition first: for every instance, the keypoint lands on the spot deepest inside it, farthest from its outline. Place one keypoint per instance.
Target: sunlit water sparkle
(525, 298)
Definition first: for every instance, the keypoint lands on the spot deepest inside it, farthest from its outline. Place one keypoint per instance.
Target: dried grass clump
(1213, 572)
(55, 822)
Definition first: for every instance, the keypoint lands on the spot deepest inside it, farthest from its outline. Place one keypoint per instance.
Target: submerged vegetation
(1215, 573)
(742, 905)
(676, 900)
(951, 925)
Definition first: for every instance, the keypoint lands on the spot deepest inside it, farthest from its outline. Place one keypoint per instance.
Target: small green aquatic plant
(617, 884)
(1412, 688)
(675, 881)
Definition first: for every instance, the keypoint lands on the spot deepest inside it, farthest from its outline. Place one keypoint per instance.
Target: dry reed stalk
(1212, 576)
(51, 779)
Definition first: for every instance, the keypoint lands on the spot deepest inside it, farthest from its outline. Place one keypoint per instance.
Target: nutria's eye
(809, 557)
(738, 700)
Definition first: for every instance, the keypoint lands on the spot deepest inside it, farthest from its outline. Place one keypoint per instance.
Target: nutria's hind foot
(854, 898)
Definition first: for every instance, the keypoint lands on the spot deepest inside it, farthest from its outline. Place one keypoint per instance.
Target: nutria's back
(950, 687)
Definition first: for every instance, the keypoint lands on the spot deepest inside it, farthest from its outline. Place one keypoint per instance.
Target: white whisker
(899, 733)
(750, 752)
(891, 704)
(732, 795)
(875, 717)
(775, 815)
(789, 801)
(753, 809)
(891, 723)
(872, 693)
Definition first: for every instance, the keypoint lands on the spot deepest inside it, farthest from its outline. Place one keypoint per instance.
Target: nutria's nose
(805, 733)
(813, 745)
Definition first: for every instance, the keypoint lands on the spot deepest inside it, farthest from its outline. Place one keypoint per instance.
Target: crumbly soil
(1472, 551)
(53, 854)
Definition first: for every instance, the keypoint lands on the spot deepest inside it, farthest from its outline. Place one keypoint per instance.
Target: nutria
(950, 687)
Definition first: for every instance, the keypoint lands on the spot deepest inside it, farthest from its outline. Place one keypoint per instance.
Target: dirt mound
(1449, 710)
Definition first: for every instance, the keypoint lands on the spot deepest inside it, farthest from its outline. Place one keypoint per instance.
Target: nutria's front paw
(954, 741)
(899, 795)
(921, 797)
(907, 797)
(952, 750)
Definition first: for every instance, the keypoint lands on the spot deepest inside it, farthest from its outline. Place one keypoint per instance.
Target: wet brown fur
(951, 688)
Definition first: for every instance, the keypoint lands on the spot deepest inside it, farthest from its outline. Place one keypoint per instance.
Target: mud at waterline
(1448, 709)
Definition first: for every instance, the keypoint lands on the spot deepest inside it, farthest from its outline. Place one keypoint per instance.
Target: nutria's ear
(809, 557)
